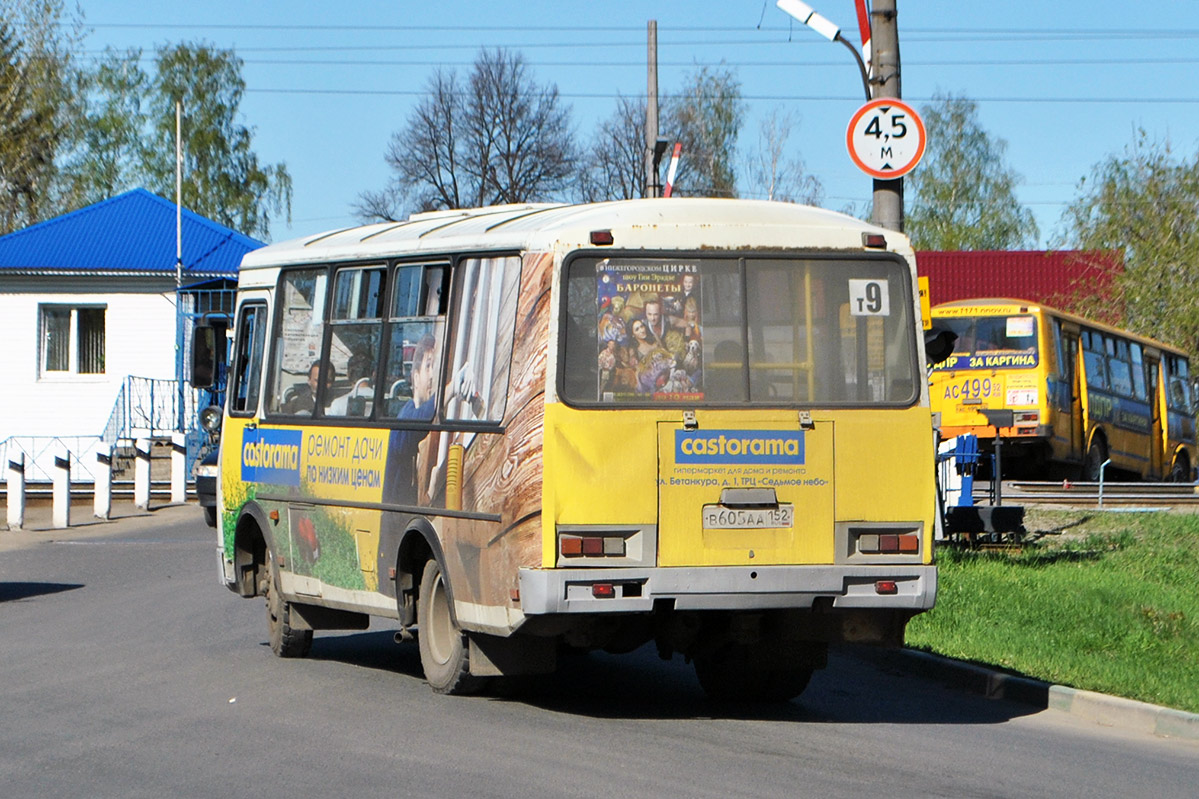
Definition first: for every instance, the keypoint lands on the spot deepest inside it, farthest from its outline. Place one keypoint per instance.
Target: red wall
(1050, 277)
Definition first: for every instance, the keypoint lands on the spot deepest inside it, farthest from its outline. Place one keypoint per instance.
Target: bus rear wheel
(286, 640)
(740, 673)
(444, 649)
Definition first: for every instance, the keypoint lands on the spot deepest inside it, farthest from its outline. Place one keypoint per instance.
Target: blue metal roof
(133, 232)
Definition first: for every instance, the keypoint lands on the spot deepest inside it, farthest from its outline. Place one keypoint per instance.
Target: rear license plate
(719, 517)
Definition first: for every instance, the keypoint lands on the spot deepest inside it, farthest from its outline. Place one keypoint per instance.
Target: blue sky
(1064, 83)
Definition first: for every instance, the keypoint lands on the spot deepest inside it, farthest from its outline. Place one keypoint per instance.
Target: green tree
(962, 195)
(706, 117)
(1144, 203)
(38, 107)
(111, 152)
(500, 137)
(222, 177)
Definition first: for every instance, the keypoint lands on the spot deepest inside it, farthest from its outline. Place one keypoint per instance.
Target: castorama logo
(739, 446)
(271, 456)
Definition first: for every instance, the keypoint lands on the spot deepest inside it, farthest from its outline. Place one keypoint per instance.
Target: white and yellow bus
(1080, 393)
(703, 423)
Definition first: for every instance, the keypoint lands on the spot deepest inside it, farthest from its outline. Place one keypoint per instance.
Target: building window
(72, 340)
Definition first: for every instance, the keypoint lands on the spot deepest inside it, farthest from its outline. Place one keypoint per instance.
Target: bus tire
(210, 515)
(734, 673)
(286, 640)
(1180, 470)
(444, 649)
(1096, 455)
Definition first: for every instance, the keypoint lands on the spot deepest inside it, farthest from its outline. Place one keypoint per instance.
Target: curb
(1107, 711)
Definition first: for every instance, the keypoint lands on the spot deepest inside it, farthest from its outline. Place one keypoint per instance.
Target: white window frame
(72, 370)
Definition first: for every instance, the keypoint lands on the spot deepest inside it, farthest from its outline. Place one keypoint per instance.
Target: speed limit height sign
(886, 138)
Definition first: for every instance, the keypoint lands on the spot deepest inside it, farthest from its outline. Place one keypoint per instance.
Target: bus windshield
(989, 342)
(759, 331)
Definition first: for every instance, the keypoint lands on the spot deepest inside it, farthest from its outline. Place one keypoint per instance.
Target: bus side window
(1096, 369)
(1138, 373)
(412, 370)
(247, 375)
(1176, 374)
(355, 333)
(297, 374)
(477, 383)
(1121, 376)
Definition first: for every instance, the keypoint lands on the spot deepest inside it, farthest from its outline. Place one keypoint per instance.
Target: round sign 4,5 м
(886, 138)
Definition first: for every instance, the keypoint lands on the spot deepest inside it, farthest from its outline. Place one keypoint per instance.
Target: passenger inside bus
(300, 399)
(358, 400)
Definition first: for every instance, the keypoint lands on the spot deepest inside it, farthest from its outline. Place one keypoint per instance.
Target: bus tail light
(886, 587)
(591, 546)
(603, 590)
(889, 544)
(1025, 417)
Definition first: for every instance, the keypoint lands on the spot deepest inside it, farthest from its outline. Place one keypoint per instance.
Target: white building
(90, 305)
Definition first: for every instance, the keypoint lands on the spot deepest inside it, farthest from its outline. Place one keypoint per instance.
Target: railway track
(1115, 495)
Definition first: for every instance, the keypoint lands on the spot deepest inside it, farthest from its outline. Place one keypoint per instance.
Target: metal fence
(38, 454)
(145, 408)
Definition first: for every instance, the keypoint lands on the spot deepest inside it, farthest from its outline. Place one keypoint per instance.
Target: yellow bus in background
(514, 430)
(1080, 392)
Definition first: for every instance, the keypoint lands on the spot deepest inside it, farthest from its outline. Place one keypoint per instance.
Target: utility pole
(888, 194)
(651, 112)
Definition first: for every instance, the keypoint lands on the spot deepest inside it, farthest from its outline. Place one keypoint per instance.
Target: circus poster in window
(650, 334)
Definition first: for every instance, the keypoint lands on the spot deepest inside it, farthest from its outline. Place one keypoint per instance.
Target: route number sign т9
(886, 138)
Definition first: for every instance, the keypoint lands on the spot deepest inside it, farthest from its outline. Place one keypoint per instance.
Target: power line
(772, 97)
(1113, 62)
(1031, 33)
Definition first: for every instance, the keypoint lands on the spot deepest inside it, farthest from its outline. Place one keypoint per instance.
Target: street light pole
(829, 30)
(888, 194)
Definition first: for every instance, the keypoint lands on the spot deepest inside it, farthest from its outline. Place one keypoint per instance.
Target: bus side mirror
(938, 344)
(204, 356)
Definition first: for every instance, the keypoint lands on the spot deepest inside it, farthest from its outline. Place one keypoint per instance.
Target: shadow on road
(852, 690)
(13, 592)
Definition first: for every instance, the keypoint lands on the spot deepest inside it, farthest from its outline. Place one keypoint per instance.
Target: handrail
(147, 407)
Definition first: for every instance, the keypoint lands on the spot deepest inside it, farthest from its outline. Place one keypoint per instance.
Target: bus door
(1073, 378)
(1158, 443)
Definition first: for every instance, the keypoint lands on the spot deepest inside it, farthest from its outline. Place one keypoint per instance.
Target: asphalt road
(126, 670)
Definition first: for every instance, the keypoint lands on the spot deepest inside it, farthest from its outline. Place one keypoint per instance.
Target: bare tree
(774, 173)
(500, 138)
(615, 167)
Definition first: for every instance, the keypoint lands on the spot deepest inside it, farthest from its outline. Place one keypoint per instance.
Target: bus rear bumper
(554, 591)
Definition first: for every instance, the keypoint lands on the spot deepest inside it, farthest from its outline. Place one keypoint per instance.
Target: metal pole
(888, 194)
(651, 111)
(998, 468)
(178, 193)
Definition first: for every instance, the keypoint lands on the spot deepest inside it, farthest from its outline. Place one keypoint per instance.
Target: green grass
(1107, 602)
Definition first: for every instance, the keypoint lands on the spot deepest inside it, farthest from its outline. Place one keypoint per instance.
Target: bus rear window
(992, 342)
(761, 331)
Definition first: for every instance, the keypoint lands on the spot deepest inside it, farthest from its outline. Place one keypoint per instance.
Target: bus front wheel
(1093, 465)
(444, 649)
(1180, 470)
(286, 640)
